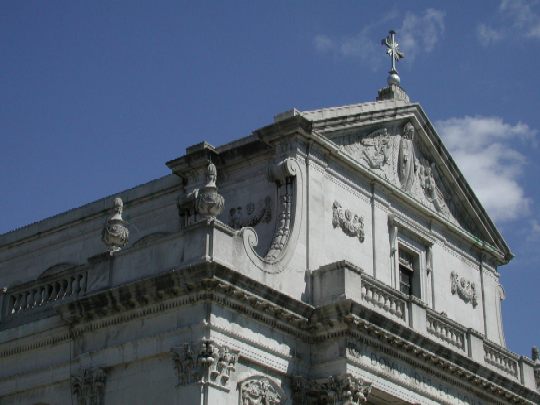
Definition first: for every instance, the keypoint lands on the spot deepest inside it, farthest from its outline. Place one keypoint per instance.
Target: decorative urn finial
(115, 232)
(209, 202)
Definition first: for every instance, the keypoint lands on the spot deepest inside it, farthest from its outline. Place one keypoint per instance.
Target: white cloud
(487, 35)
(420, 33)
(516, 18)
(417, 34)
(484, 149)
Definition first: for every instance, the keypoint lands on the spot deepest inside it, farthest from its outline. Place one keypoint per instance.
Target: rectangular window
(406, 273)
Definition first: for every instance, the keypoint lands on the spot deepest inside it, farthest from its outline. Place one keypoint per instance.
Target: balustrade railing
(383, 298)
(444, 330)
(42, 293)
(498, 358)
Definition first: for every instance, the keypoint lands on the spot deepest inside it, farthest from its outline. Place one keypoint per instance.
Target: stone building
(335, 256)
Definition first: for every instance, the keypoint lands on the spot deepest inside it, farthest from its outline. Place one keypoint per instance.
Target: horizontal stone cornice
(210, 282)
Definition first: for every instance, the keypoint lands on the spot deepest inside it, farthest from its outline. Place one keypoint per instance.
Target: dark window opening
(406, 272)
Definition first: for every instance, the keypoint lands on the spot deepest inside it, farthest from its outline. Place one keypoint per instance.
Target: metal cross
(393, 49)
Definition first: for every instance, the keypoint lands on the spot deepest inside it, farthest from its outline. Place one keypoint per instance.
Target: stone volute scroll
(288, 177)
(115, 233)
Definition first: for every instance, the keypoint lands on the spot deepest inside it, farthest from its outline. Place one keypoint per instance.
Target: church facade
(335, 256)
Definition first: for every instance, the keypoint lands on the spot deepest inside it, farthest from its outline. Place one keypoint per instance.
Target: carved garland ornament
(351, 224)
(205, 362)
(252, 214)
(343, 389)
(464, 288)
(260, 391)
(89, 386)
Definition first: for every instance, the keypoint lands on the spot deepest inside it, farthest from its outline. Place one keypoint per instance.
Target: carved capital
(89, 386)
(260, 390)
(464, 288)
(344, 389)
(205, 362)
(351, 224)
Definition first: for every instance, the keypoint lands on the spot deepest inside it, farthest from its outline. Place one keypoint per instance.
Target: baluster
(83, 282)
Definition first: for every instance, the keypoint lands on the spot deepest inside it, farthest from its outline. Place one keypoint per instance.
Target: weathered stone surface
(282, 287)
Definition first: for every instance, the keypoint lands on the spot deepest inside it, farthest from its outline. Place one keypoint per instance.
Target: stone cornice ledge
(490, 382)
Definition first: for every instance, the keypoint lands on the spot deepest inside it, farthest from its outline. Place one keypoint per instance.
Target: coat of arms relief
(397, 155)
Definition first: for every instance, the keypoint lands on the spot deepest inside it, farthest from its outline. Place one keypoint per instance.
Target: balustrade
(383, 298)
(44, 293)
(503, 361)
(444, 330)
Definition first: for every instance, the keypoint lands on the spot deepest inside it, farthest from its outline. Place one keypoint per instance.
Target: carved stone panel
(260, 391)
(89, 386)
(204, 362)
(397, 154)
(351, 224)
(251, 214)
(464, 288)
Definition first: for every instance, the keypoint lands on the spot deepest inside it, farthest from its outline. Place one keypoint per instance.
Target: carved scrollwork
(205, 362)
(351, 224)
(260, 391)
(464, 288)
(288, 176)
(343, 389)
(252, 214)
(89, 386)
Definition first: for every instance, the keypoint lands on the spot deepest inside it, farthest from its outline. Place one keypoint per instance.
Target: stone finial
(393, 91)
(209, 202)
(535, 354)
(115, 232)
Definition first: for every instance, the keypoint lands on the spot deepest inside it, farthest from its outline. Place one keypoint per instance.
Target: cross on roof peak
(395, 54)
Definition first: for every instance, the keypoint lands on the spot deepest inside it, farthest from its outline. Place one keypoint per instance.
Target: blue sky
(96, 96)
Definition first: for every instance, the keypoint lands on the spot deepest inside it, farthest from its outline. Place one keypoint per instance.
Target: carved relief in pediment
(373, 150)
(397, 154)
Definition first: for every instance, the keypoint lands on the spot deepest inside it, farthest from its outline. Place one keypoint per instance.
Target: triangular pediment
(397, 143)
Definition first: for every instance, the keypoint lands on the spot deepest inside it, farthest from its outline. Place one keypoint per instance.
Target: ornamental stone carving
(204, 363)
(260, 391)
(89, 386)
(115, 232)
(464, 288)
(374, 149)
(209, 203)
(536, 359)
(351, 224)
(407, 161)
(252, 214)
(343, 389)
